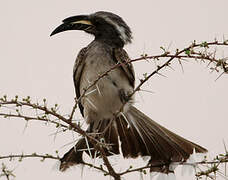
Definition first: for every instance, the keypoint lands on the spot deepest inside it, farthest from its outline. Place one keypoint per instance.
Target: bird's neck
(114, 42)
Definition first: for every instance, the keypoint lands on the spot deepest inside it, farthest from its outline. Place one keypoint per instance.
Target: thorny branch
(53, 111)
(197, 51)
(190, 53)
(215, 164)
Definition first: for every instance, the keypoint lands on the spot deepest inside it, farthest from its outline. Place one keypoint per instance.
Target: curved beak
(73, 23)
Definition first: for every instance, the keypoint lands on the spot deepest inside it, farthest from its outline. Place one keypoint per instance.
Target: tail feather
(139, 136)
(128, 138)
(161, 144)
(73, 156)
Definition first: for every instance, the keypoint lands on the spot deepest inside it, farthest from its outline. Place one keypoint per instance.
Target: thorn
(219, 76)
(70, 143)
(91, 103)
(98, 89)
(182, 68)
(171, 67)
(25, 127)
(152, 92)
(209, 64)
(88, 148)
(170, 44)
(224, 146)
(161, 74)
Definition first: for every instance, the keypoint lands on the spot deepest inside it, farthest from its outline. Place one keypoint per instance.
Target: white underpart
(120, 29)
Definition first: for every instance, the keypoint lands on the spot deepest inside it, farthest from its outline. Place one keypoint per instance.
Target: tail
(143, 136)
(139, 136)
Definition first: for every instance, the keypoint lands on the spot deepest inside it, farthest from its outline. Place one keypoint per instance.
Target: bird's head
(104, 26)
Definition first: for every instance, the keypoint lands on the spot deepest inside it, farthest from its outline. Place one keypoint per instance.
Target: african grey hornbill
(101, 107)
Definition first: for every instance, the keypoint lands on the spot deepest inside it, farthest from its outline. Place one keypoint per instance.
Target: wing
(77, 72)
(121, 56)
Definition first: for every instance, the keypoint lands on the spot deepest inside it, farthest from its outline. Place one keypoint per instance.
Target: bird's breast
(103, 99)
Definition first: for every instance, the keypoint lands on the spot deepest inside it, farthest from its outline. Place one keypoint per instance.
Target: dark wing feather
(77, 72)
(121, 56)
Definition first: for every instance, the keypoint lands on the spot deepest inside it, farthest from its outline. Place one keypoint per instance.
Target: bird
(108, 105)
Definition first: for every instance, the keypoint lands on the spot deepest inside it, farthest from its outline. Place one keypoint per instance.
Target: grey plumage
(137, 133)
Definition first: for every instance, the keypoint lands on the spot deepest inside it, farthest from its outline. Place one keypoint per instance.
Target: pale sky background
(191, 104)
